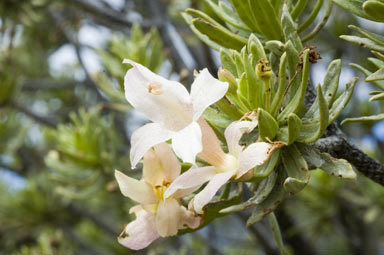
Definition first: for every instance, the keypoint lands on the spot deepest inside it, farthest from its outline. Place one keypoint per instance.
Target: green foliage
(83, 149)
(372, 10)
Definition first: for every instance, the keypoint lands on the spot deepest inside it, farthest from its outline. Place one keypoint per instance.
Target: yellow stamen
(155, 88)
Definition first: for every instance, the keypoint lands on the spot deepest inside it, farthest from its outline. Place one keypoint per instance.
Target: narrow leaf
(267, 125)
(267, 22)
(342, 101)
(296, 169)
(366, 118)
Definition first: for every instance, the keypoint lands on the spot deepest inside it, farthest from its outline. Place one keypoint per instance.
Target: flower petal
(153, 172)
(212, 152)
(209, 191)
(138, 191)
(169, 161)
(190, 181)
(162, 101)
(234, 132)
(188, 219)
(187, 142)
(146, 137)
(167, 217)
(254, 155)
(139, 233)
(206, 90)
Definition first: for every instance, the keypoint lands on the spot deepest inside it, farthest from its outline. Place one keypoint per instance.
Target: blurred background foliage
(65, 126)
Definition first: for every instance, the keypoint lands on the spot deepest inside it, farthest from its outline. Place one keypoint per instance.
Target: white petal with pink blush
(156, 216)
(169, 105)
(225, 166)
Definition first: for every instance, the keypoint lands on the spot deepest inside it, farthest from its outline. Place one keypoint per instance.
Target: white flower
(172, 109)
(156, 215)
(234, 164)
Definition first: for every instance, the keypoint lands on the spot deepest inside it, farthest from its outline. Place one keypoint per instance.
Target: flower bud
(263, 70)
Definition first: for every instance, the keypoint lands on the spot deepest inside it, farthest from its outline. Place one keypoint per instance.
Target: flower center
(155, 88)
(160, 189)
(228, 164)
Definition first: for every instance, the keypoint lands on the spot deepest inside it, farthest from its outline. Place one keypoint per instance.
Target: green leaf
(239, 63)
(255, 47)
(262, 191)
(311, 17)
(331, 81)
(296, 169)
(276, 47)
(290, 29)
(264, 170)
(229, 109)
(372, 36)
(255, 86)
(377, 97)
(243, 86)
(268, 126)
(297, 101)
(226, 76)
(277, 234)
(378, 75)
(314, 127)
(270, 203)
(379, 84)
(377, 62)
(366, 118)
(227, 14)
(290, 133)
(227, 62)
(342, 101)
(201, 36)
(219, 34)
(267, 22)
(354, 6)
(294, 127)
(244, 12)
(216, 118)
(293, 58)
(299, 8)
(363, 42)
(279, 95)
(325, 162)
(374, 9)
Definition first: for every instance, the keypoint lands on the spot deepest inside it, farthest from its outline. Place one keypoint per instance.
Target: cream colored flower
(156, 215)
(172, 109)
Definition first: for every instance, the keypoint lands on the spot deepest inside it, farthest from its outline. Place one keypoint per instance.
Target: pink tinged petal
(146, 137)
(254, 155)
(206, 90)
(162, 101)
(190, 181)
(167, 217)
(153, 172)
(139, 233)
(212, 152)
(138, 191)
(169, 161)
(209, 191)
(187, 142)
(188, 219)
(234, 132)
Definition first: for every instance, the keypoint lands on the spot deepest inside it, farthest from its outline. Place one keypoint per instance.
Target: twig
(74, 41)
(40, 119)
(49, 84)
(336, 143)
